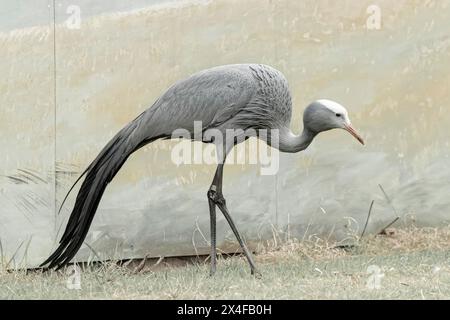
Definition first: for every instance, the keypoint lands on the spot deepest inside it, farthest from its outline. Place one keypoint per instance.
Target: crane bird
(242, 96)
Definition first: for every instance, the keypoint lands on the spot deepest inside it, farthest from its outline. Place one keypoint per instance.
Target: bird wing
(212, 96)
(226, 113)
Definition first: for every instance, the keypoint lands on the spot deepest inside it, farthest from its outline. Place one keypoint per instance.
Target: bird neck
(292, 143)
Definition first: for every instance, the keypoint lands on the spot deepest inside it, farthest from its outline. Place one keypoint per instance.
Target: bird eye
(338, 114)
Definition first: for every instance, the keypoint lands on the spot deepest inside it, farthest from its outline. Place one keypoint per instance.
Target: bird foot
(256, 273)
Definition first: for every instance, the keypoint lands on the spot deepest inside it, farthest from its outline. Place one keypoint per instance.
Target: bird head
(323, 115)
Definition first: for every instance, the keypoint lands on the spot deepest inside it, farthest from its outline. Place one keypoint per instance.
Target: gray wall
(394, 81)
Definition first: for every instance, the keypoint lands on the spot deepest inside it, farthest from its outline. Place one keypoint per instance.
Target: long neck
(291, 143)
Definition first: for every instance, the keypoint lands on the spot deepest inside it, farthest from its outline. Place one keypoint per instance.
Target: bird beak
(353, 132)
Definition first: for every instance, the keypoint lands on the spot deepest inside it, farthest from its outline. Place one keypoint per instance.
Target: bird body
(240, 96)
(236, 97)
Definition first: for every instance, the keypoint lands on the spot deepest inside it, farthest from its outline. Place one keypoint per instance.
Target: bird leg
(212, 214)
(215, 198)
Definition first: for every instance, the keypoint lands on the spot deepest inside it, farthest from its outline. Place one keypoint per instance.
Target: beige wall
(394, 81)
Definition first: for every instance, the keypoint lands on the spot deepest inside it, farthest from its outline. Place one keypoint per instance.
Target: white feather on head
(333, 106)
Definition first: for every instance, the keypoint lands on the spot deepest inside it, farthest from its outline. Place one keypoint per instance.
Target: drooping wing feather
(212, 96)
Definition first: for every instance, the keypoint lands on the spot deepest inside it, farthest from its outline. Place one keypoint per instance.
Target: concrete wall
(63, 95)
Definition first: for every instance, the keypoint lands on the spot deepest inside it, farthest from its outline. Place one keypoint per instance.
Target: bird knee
(215, 197)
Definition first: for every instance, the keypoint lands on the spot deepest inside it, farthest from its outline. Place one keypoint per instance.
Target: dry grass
(398, 241)
(414, 263)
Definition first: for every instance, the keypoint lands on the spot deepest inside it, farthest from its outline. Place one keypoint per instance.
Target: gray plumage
(244, 96)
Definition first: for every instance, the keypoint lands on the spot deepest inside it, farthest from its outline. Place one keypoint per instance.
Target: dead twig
(388, 199)
(161, 258)
(367, 220)
(2, 257)
(141, 265)
(14, 255)
(383, 231)
(93, 251)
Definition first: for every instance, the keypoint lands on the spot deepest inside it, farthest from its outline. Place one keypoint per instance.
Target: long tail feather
(98, 175)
